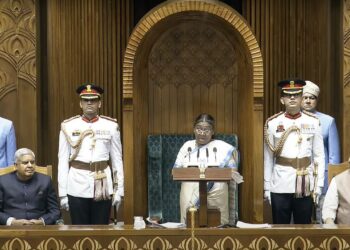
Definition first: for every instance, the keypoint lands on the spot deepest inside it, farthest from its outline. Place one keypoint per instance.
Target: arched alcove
(183, 58)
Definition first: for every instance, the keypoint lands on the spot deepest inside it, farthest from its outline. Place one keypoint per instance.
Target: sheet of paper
(165, 225)
(241, 224)
(173, 225)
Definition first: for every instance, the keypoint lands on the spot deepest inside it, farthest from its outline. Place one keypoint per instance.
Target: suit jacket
(32, 199)
(331, 143)
(7, 143)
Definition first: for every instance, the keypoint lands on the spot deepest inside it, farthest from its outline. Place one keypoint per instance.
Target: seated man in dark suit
(27, 197)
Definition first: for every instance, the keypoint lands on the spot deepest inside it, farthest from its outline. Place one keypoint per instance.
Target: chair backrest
(47, 170)
(334, 169)
(163, 192)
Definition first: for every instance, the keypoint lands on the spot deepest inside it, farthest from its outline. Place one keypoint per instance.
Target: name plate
(194, 174)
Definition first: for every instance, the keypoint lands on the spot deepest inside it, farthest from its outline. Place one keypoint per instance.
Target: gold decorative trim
(87, 243)
(200, 243)
(122, 242)
(16, 243)
(228, 243)
(299, 243)
(52, 243)
(263, 243)
(188, 243)
(334, 243)
(209, 6)
(158, 243)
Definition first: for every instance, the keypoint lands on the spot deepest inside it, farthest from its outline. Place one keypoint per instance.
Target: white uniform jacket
(282, 179)
(102, 145)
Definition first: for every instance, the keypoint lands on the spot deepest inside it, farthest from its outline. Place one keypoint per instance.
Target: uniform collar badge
(76, 133)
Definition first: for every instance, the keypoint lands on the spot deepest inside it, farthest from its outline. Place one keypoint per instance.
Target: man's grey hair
(23, 151)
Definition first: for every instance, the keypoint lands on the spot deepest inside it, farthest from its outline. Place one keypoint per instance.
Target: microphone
(189, 150)
(207, 153)
(215, 150)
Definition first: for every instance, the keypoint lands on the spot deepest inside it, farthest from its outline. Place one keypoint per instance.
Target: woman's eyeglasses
(205, 131)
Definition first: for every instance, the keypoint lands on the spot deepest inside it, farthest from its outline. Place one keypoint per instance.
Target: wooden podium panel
(213, 218)
(203, 176)
(193, 174)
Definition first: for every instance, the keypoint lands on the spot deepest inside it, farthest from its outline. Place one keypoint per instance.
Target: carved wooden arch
(253, 205)
(209, 6)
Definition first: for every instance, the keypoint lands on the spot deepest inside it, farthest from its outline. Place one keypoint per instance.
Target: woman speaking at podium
(202, 152)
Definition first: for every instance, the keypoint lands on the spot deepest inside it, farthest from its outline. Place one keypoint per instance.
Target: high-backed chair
(163, 192)
(43, 170)
(334, 169)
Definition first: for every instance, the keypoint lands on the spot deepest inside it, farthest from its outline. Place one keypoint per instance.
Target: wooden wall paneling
(212, 97)
(173, 110)
(165, 104)
(346, 76)
(298, 39)
(196, 98)
(83, 41)
(337, 59)
(219, 113)
(18, 76)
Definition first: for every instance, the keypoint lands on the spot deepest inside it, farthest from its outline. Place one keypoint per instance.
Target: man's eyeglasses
(309, 97)
(205, 131)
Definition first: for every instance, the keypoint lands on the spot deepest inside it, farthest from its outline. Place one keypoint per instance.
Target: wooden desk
(112, 237)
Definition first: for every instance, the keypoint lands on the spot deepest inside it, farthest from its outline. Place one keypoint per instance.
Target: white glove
(267, 196)
(317, 195)
(237, 177)
(64, 203)
(329, 221)
(318, 191)
(117, 198)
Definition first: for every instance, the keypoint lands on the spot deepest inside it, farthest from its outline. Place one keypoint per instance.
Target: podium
(202, 175)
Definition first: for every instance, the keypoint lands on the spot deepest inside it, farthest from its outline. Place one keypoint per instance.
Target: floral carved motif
(17, 42)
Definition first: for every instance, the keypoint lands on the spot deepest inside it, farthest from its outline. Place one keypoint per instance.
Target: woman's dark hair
(205, 118)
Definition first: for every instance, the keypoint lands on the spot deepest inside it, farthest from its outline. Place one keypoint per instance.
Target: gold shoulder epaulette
(72, 118)
(108, 118)
(273, 117)
(312, 115)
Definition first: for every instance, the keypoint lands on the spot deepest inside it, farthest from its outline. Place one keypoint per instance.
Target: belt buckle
(90, 166)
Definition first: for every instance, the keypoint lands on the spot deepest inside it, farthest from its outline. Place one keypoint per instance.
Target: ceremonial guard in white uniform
(293, 158)
(90, 167)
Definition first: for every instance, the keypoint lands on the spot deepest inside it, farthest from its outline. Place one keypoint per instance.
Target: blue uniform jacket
(7, 143)
(32, 199)
(330, 142)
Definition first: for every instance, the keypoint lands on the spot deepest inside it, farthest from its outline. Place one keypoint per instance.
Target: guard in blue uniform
(329, 133)
(7, 143)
